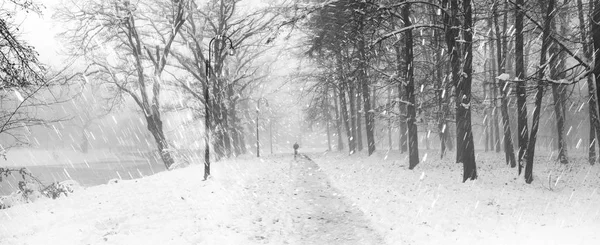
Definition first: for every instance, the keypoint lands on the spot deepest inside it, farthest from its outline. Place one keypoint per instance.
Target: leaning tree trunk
(413, 145)
(523, 131)
(529, 155)
(504, 87)
(156, 129)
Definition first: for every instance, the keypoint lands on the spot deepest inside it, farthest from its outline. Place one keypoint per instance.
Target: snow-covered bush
(32, 189)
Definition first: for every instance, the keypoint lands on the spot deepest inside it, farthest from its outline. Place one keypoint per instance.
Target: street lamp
(208, 68)
(262, 99)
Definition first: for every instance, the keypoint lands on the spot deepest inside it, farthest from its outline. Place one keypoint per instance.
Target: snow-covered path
(270, 200)
(320, 214)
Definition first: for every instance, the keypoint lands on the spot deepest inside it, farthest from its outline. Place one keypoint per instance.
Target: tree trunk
(413, 139)
(540, 92)
(558, 91)
(369, 113)
(440, 94)
(494, 91)
(465, 152)
(523, 131)
(558, 96)
(501, 44)
(403, 141)
(343, 105)
(338, 121)
(358, 114)
(353, 116)
(595, 26)
(463, 102)
(592, 112)
(156, 129)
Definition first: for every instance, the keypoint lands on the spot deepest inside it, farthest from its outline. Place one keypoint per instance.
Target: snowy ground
(430, 205)
(246, 202)
(334, 200)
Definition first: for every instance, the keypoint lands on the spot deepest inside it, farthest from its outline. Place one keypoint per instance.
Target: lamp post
(257, 113)
(208, 70)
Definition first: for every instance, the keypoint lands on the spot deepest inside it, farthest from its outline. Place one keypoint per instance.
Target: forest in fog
(503, 76)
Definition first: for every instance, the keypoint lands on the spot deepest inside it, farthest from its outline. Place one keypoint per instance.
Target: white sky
(40, 32)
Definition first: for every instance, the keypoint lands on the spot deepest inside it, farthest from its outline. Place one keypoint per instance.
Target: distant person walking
(296, 146)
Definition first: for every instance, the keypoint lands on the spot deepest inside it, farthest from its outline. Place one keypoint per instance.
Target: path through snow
(320, 214)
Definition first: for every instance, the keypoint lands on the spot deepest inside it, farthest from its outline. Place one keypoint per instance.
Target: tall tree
(592, 104)
(413, 138)
(595, 29)
(465, 152)
(97, 31)
(523, 131)
(558, 90)
(364, 81)
(501, 52)
(549, 13)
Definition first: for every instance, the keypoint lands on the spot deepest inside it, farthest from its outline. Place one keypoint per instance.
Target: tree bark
(353, 117)
(558, 91)
(465, 152)
(345, 117)
(156, 129)
(338, 121)
(523, 131)
(368, 112)
(358, 114)
(494, 91)
(403, 141)
(540, 92)
(504, 88)
(595, 27)
(463, 102)
(413, 139)
(592, 112)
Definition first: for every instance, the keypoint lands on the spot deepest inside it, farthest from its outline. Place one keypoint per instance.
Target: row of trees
(145, 51)
(431, 52)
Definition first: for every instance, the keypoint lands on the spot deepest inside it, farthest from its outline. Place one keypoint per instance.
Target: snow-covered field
(430, 205)
(343, 200)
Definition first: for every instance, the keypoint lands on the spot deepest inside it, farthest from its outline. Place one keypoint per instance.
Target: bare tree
(26, 86)
(122, 46)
